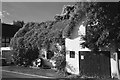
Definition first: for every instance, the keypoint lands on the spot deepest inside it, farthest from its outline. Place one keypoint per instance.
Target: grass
(42, 72)
(47, 72)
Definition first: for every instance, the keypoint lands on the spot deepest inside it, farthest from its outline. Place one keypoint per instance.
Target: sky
(31, 11)
(59, 0)
(0, 9)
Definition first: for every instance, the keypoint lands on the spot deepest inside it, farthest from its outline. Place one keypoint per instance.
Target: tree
(66, 13)
(18, 23)
(102, 25)
(33, 37)
(58, 17)
(22, 48)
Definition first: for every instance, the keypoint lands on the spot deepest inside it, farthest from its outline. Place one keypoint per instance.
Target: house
(8, 32)
(83, 61)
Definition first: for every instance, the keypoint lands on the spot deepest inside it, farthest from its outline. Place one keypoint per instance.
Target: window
(3, 44)
(72, 54)
(7, 44)
(3, 39)
(7, 40)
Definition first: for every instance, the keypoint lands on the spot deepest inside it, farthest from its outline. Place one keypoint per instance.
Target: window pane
(7, 44)
(3, 40)
(72, 54)
(3, 44)
(7, 39)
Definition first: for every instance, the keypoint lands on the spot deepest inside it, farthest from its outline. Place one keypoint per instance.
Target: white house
(73, 48)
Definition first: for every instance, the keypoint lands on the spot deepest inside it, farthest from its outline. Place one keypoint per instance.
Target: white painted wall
(5, 49)
(113, 68)
(72, 63)
(73, 45)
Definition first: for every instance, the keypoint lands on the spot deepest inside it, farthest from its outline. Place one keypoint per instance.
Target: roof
(9, 30)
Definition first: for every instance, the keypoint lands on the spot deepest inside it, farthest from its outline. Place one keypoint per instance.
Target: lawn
(42, 72)
(45, 72)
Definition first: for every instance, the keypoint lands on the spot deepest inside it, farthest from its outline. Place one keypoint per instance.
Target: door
(94, 64)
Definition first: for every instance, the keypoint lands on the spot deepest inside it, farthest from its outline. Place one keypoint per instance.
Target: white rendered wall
(72, 64)
(113, 67)
(73, 45)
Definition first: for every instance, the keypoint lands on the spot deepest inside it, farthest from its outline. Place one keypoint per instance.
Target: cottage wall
(73, 63)
(73, 44)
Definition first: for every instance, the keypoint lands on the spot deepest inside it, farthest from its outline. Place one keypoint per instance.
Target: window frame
(72, 54)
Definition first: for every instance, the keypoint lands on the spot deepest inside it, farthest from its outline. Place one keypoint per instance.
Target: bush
(32, 37)
(60, 62)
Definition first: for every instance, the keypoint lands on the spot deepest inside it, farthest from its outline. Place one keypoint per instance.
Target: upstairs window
(72, 54)
(3, 39)
(7, 40)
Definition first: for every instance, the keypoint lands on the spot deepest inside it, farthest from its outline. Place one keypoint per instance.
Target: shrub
(60, 62)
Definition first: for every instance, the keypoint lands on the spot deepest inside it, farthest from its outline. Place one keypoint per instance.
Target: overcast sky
(31, 11)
